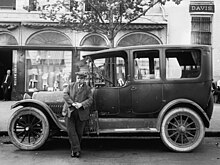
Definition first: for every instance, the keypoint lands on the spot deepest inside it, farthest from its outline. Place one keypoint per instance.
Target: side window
(146, 65)
(183, 64)
(120, 71)
(111, 71)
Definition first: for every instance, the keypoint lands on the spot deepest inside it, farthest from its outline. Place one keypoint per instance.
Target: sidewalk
(5, 114)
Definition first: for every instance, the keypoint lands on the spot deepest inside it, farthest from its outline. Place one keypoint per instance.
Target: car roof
(127, 48)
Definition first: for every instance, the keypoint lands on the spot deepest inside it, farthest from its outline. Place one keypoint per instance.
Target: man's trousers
(75, 128)
(6, 92)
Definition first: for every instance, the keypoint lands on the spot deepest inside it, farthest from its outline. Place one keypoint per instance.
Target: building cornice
(9, 26)
(132, 26)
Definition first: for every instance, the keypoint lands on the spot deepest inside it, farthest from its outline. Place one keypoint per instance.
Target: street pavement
(6, 112)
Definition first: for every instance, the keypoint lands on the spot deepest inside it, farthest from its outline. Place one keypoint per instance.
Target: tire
(182, 130)
(28, 128)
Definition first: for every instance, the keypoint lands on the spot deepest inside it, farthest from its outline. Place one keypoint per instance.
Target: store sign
(202, 8)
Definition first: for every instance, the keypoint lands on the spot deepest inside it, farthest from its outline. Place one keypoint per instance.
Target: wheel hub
(182, 129)
(27, 128)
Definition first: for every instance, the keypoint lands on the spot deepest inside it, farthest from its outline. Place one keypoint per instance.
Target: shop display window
(47, 70)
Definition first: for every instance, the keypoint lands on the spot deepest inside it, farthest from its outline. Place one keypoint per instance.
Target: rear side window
(183, 64)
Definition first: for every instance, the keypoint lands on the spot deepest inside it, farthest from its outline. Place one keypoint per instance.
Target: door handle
(133, 88)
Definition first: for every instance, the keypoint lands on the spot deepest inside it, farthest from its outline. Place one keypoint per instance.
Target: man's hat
(83, 71)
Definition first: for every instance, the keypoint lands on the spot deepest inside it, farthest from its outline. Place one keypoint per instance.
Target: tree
(103, 16)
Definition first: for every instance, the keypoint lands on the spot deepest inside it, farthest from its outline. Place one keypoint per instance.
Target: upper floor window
(85, 5)
(8, 4)
(201, 30)
(36, 5)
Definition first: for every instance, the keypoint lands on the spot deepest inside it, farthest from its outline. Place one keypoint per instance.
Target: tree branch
(135, 18)
(98, 13)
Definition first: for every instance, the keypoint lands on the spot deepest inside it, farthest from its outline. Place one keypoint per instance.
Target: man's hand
(78, 105)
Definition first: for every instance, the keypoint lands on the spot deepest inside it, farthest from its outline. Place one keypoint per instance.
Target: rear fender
(183, 103)
(42, 107)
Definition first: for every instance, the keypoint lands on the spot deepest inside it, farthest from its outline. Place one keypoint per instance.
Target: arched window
(53, 38)
(94, 40)
(138, 38)
(7, 39)
(48, 70)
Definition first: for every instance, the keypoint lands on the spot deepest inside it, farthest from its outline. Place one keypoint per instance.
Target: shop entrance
(5, 64)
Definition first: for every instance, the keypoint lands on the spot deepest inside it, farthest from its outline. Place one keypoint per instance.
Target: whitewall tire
(182, 129)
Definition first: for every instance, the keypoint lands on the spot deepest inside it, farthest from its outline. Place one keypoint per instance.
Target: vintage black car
(137, 91)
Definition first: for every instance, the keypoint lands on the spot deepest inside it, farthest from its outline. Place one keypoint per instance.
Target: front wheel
(182, 130)
(28, 128)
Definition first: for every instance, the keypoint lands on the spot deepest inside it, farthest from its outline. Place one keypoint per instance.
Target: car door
(111, 95)
(146, 86)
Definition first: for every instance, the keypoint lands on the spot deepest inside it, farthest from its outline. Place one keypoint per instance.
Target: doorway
(5, 64)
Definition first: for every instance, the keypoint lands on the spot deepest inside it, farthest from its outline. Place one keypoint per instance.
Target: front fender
(42, 107)
(182, 102)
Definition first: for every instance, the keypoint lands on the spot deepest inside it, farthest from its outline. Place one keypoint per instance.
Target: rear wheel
(28, 128)
(182, 130)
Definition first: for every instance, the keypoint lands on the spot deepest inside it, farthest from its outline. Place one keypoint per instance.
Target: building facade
(196, 22)
(42, 55)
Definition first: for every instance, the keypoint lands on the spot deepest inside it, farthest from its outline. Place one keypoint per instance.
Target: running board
(119, 125)
(129, 130)
(126, 125)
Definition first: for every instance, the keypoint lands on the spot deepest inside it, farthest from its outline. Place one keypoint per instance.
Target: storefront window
(47, 70)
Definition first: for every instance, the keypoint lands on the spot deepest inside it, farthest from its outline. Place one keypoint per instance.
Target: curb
(212, 134)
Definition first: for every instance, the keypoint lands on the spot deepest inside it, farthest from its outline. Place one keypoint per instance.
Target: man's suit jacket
(9, 80)
(72, 94)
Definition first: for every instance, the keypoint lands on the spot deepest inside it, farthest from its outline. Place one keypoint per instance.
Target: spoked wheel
(28, 128)
(182, 130)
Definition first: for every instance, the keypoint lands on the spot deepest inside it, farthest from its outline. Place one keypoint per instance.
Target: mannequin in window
(33, 83)
(56, 86)
(44, 78)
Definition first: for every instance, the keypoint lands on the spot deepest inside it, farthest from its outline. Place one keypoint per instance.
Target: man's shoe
(72, 154)
(77, 154)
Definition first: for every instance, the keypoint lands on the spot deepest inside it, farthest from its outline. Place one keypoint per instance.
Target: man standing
(78, 99)
(7, 86)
